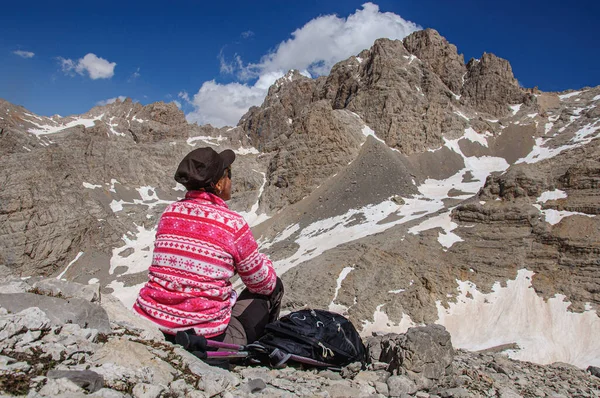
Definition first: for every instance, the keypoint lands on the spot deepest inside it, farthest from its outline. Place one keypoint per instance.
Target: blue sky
(218, 58)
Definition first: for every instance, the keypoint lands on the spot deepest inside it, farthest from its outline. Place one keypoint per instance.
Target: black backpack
(312, 337)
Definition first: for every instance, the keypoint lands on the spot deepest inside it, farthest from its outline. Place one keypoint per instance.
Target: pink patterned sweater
(200, 244)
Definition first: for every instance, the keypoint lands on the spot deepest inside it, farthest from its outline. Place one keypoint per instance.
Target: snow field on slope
(48, 129)
(544, 330)
(322, 235)
(552, 216)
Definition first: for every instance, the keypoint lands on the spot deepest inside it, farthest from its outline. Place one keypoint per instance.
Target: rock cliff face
(404, 188)
(490, 86)
(65, 180)
(441, 56)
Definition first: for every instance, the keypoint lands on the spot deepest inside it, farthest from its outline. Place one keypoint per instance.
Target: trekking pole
(257, 347)
(198, 345)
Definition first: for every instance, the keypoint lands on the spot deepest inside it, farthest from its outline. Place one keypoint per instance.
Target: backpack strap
(278, 358)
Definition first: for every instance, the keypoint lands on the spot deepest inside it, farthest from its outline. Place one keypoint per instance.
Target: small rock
(331, 375)
(376, 365)
(28, 337)
(368, 376)
(64, 386)
(107, 393)
(509, 393)
(381, 388)
(179, 387)
(342, 390)
(255, 385)
(143, 390)
(594, 370)
(86, 379)
(458, 392)
(351, 370)
(401, 385)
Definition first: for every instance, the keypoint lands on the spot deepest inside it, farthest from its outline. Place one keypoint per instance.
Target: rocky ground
(86, 344)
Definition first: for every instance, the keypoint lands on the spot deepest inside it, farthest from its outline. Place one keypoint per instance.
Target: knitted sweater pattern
(200, 244)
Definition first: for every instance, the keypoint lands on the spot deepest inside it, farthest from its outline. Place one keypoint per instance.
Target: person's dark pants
(251, 313)
(249, 316)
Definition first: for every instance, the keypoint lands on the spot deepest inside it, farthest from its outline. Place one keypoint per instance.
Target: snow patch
(69, 265)
(339, 308)
(545, 331)
(382, 323)
(214, 141)
(574, 93)
(540, 152)
(459, 113)
(553, 217)
(127, 294)
(515, 108)
(367, 131)
(91, 186)
(474, 136)
(396, 291)
(149, 198)
(551, 195)
(446, 238)
(47, 129)
(141, 258)
(246, 151)
(252, 217)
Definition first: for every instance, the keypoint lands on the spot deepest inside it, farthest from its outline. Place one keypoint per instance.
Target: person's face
(224, 185)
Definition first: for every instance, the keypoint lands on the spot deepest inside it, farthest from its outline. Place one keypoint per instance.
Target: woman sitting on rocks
(200, 244)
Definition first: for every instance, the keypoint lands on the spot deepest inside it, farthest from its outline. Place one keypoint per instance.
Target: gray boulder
(64, 289)
(594, 370)
(60, 311)
(86, 379)
(423, 354)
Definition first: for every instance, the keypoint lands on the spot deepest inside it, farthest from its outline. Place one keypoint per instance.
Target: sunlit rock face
(404, 188)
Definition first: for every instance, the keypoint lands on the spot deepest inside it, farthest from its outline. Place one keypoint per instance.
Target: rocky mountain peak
(440, 55)
(490, 85)
(165, 113)
(273, 120)
(290, 76)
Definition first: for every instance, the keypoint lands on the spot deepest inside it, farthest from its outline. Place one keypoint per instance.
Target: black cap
(203, 167)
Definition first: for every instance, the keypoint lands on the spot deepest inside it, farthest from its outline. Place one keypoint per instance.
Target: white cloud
(230, 67)
(24, 54)
(177, 103)
(96, 67)
(223, 104)
(111, 100)
(134, 75)
(247, 34)
(184, 96)
(315, 48)
(328, 39)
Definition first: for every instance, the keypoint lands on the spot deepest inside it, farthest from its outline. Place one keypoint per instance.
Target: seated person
(200, 244)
